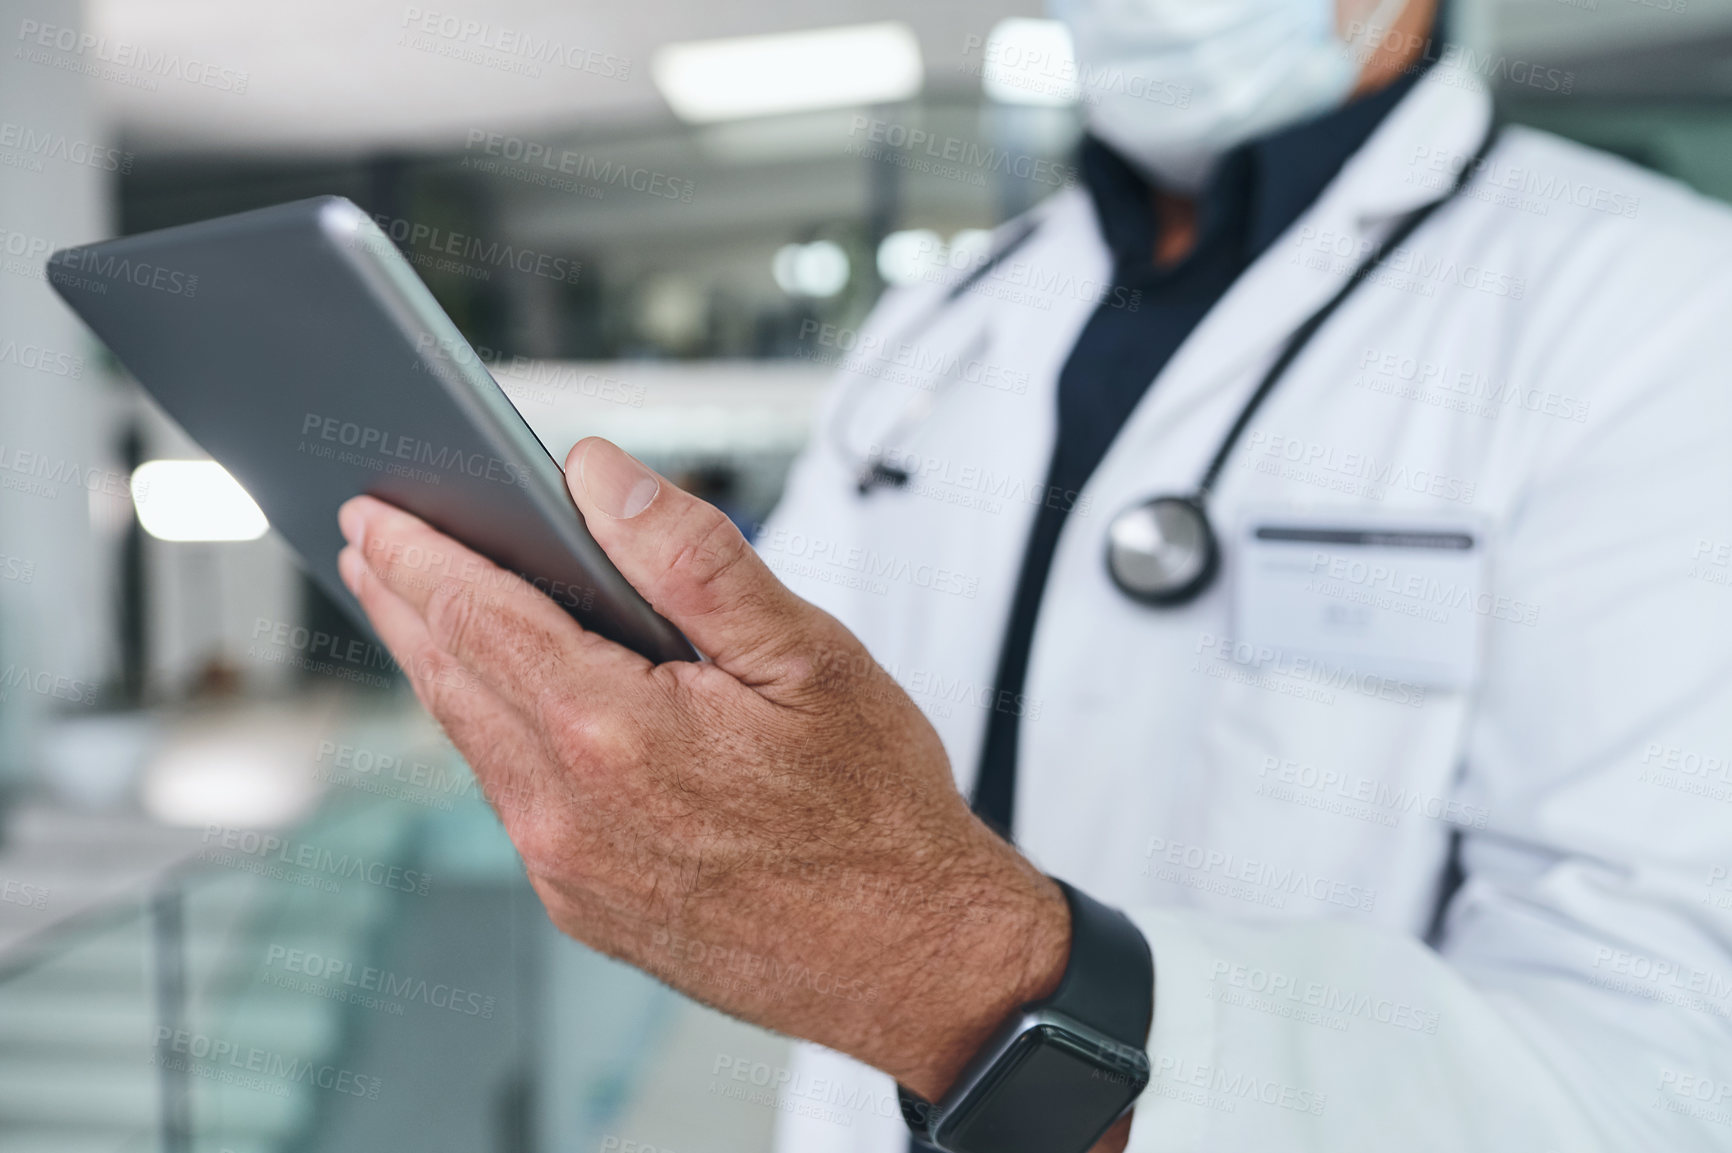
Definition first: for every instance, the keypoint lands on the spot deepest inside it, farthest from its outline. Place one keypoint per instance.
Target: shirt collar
(1257, 190)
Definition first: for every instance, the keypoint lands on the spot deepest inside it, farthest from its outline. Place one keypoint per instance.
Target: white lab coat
(1579, 996)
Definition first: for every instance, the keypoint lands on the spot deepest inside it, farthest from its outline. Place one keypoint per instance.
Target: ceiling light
(910, 256)
(817, 269)
(709, 80)
(1029, 62)
(194, 500)
(248, 768)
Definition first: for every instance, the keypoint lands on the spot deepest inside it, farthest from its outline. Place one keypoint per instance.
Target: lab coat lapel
(1164, 447)
(1214, 371)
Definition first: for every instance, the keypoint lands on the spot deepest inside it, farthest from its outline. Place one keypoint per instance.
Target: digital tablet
(297, 346)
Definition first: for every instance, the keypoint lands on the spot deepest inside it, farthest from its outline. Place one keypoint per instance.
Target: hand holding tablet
(297, 347)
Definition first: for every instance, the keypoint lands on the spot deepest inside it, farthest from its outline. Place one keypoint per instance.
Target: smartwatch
(1057, 1076)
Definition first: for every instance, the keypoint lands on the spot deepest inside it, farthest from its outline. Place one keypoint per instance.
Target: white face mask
(1172, 85)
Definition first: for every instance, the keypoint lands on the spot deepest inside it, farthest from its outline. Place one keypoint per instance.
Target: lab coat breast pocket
(1339, 698)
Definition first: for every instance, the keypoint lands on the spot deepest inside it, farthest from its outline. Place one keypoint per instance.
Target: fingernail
(349, 568)
(614, 480)
(349, 520)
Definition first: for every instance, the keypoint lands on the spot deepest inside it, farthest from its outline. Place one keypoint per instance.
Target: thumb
(690, 562)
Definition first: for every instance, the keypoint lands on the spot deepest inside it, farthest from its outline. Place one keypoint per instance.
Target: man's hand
(775, 832)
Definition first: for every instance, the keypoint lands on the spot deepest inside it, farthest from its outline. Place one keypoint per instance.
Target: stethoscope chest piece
(1162, 552)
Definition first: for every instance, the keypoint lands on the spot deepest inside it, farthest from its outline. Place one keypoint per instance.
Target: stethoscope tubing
(1161, 570)
(876, 471)
(1302, 335)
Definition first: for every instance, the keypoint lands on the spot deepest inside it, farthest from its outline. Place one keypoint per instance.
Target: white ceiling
(1544, 30)
(338, 74)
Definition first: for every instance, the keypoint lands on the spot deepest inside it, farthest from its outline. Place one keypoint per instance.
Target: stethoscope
(1163, 551)
(876, 471)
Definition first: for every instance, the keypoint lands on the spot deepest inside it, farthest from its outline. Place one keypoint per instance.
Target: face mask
(1172, 85)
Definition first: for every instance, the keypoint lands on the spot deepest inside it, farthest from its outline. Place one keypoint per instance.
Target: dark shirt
(1256, 192)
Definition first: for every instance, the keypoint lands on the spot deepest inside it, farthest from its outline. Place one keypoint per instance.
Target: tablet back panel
(298, 348)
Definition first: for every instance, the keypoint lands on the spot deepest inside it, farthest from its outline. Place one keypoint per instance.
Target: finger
(513, 638)
(492, 736)
(690, 562)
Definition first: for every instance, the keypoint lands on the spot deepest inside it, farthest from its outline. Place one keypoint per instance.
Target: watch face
(1052, 1091)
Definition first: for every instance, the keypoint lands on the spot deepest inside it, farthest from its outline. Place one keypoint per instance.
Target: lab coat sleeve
(1579, 996)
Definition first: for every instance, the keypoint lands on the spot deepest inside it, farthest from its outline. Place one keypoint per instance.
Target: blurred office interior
(220, 809)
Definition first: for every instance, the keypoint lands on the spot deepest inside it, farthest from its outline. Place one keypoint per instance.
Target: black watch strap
(1109, 981)
(1108, 985)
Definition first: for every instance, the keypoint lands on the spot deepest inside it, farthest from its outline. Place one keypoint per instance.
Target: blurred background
(249, 898)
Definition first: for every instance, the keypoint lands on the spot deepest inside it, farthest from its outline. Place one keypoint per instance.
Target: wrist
(1063, 1071)
(1116, 1138)
(1007, 949)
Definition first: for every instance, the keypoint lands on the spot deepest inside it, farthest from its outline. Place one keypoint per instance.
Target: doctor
(1421, 869)
(1398, 819)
